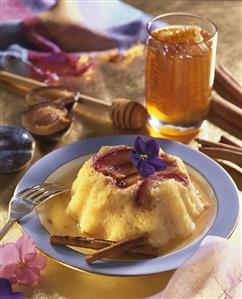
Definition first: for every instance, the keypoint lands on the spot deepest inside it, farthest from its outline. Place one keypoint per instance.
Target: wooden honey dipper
(124, 113)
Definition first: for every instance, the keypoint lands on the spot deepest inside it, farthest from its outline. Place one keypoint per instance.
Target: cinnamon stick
(92, 243)
(225, 125)
(227, 110)
(223, 154)
(117, 248)
(224, 139)
(227, 86)
(209, 143)
(84, 242)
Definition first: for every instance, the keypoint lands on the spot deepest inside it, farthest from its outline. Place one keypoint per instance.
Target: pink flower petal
(20, 262)
(9, 271)
(8, 254)
(25, 245)
(36, 260)
(27, 275)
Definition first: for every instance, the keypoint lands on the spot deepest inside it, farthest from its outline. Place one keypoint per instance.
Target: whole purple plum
(16, 148)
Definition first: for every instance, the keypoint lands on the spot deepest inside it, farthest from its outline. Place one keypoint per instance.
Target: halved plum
(112, 160)
(116, 164)
(55, 94)
(47, 121)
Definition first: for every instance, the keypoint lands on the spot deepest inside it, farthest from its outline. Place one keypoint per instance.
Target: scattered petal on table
(8, 254)
(21, 263)
(6, 290)
(25, 245)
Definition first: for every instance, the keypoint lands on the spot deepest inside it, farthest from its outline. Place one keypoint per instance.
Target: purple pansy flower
(145, 156)
(6, 290)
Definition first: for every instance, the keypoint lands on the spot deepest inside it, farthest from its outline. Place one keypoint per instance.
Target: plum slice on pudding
(115, 163)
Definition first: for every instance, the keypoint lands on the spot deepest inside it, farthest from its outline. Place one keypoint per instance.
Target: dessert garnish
(117, 248)
(97, 244)
(145, 157)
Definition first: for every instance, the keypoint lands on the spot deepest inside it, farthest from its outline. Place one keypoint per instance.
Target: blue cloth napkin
(102, 25)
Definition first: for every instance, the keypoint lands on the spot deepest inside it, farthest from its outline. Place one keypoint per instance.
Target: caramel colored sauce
(179, 74)
(56, 221)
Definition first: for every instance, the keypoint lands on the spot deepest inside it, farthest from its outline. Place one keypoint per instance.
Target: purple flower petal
(158, 164)
(14, 295)
(134, 157)
(5, 286)
(145, 157)
(139, 145)
(145, 169)
(152, 148)
(6, 290)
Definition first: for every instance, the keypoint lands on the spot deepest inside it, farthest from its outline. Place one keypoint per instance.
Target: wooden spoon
(124, 113)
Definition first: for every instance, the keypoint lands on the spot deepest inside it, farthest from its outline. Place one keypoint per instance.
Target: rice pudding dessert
(117, 194)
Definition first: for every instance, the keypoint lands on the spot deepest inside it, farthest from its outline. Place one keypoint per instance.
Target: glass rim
(149, 24)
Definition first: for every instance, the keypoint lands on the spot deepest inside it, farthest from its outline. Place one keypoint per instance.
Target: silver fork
(27, 200)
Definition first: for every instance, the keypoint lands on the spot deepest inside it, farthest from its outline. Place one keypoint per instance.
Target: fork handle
(7, 227)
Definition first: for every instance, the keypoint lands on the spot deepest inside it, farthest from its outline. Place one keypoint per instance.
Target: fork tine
(35, 196)
(32, 189)
(42, 192)
(31, 193)
(28, 189)
(42, 198)
(50, 186)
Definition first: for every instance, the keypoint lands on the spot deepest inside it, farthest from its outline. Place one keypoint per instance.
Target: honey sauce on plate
(53, 217)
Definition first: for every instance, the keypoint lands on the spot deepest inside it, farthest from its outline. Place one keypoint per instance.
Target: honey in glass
(180, 64)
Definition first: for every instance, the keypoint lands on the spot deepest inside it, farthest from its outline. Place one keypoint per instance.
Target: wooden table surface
(107, 81)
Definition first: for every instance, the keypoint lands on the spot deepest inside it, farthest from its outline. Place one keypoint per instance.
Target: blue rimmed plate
(217, 180)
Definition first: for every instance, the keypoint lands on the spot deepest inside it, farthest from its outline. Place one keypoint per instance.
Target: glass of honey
(180, 67)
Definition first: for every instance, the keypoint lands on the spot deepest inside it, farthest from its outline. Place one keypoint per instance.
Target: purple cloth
(29, 47)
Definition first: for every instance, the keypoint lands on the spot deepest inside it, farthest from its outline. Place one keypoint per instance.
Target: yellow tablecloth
(60, 281)
(63, 282)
